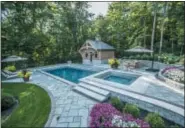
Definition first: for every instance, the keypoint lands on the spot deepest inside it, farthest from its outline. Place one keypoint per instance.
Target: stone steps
(94, 95)
(95, 89)
(151, 100)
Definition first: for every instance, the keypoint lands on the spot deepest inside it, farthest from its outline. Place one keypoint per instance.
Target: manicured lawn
(34, 105)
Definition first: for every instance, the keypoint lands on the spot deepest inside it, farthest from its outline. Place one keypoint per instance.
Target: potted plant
(25, 75)
(114, 63)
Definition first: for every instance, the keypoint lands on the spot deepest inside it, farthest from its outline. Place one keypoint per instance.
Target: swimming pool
(70, 74)
(116, 77)
(124, 79)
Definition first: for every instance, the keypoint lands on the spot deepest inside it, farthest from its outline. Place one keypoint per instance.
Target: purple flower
(102, 115)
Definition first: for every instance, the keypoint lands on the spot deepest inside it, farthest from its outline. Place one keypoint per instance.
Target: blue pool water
(126, 80)
(70, 74)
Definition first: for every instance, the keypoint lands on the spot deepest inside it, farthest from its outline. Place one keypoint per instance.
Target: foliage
(116, 102)
(24, 74)
(145, 57)
(174, 74)
(35, 29)
(132, 109)
(131, 57)
(34, 105)
(105, 115)
(11, 68)
(155, 120)
(114, 63)
(7, 101)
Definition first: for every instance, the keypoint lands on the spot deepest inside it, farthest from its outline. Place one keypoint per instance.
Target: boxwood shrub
(155, 120)
(7, 102)
(116, 102)
(132, 109)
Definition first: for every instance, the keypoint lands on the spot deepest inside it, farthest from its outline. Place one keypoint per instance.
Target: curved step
(95, 89)
(91, 94)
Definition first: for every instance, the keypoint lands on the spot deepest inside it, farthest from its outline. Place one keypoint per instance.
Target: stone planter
(171, 83)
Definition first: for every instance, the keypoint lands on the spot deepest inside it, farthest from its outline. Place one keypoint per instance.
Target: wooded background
(52, 32)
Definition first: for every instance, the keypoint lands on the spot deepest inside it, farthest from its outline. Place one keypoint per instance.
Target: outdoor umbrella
(13, 59)
(139, 49)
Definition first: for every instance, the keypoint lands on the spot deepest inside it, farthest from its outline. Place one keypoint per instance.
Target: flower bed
(105, 115)
(174, 73)
(173, 76)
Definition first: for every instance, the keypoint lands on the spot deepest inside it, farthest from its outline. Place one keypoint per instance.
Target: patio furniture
(8, 74)
(131, 64)
(13, 59)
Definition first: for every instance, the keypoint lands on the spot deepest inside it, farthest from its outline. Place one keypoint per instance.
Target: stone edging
(173, 84)
(53, 105)
(166, 113)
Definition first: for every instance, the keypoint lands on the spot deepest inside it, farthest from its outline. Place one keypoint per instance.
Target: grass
(34, 105)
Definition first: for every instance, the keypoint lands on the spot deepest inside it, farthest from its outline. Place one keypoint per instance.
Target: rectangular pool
(70, 74)
(126, 80)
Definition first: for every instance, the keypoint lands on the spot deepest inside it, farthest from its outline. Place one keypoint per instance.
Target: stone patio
(69, 109)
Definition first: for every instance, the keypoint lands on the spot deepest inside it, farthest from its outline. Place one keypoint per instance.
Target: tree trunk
(144, 32)
(162, 29)
(153, 30)
(161, 40)
(172, 46)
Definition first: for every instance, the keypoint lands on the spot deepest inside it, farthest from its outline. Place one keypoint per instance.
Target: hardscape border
(166, 110)
(173, 84)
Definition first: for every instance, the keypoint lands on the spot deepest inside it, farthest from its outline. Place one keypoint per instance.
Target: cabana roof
(99, 45)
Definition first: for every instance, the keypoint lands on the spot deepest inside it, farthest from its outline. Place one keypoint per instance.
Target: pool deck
(71, 109)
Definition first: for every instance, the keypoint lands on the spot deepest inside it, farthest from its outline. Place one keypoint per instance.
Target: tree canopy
(52, 32)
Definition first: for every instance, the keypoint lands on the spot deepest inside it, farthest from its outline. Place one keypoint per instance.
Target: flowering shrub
(105, 115)
(118, 121)
(174, 74)
(114, 63)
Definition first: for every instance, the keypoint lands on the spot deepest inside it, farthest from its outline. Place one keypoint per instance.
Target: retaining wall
(167, 114)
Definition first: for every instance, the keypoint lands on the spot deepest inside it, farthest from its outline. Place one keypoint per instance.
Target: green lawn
(34, 105)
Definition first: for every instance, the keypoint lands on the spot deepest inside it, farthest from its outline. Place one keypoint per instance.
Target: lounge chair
(8, 74)
(131, 64)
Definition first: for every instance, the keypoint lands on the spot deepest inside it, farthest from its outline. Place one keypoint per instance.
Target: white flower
(118, 122)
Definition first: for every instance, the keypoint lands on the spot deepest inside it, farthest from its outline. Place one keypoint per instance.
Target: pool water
(126, 80)
(70, 74)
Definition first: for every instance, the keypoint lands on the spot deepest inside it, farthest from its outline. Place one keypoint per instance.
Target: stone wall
(170, 82)
(148, 63)
(167, 114)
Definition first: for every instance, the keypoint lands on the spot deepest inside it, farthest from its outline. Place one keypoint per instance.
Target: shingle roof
(99, 45)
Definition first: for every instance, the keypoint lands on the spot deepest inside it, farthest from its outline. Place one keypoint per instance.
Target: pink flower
(102, 115)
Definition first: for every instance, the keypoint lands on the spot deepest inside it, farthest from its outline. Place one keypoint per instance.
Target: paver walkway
(69, 109)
